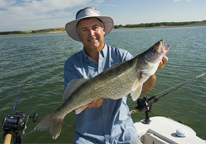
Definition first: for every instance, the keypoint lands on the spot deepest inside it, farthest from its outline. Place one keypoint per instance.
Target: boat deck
(163, 130)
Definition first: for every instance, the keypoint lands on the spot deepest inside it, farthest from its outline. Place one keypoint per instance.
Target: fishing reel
(145, 105)
(12, 123)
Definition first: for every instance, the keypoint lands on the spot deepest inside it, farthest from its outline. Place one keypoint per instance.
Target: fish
(113, 83)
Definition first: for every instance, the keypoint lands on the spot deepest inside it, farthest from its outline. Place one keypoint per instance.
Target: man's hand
(96, 103)
(162, 63)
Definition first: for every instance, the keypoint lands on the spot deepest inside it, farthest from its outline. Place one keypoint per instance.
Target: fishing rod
(12, 123)
(18, 97)
(145, 104)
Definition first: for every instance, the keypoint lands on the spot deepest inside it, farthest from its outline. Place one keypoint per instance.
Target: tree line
(32, 31)
(12, 32)
(48, 30)
(158, 24)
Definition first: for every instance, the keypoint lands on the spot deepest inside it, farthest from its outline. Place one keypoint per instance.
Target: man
(104, 120)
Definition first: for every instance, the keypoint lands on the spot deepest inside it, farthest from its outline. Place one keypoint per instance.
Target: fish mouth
(161, 48)
(167, 48)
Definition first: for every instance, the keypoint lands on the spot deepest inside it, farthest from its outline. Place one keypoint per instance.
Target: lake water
(40, 58)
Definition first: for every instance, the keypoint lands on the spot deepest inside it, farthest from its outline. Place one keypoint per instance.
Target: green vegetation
(12, 32)
(32, 31)
(142, 25)
(48, 30)
(159, 24)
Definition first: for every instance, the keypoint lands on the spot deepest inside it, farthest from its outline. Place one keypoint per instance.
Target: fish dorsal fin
(71, 87)
(135, 94)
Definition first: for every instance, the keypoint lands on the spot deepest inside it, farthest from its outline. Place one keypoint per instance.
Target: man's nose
(91, 32)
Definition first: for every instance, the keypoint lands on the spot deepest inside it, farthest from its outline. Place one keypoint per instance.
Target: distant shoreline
(163, 26)
(62, 30)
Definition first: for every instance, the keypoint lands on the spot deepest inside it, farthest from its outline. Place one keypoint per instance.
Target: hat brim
(71, 26)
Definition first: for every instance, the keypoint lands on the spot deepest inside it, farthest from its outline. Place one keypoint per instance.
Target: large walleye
(114, 83)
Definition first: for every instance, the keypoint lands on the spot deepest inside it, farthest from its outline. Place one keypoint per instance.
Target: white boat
(163, 130)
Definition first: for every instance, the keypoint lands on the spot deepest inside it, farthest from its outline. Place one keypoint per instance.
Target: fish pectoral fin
(135, 84)
(135, 94)
(80, 109)
(72, 86)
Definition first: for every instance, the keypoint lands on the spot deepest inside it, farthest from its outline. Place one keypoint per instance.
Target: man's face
(91, 33)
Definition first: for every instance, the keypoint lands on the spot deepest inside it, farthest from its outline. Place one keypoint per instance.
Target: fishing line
(18, 96)
(179, 85)
(145, 104)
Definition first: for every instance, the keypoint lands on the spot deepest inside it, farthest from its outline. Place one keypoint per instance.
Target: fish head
(150, 59)
(156, 52)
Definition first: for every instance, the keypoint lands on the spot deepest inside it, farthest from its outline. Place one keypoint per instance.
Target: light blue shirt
(111, 122)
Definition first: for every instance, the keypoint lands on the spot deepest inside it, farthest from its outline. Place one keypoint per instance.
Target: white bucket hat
(87, 13)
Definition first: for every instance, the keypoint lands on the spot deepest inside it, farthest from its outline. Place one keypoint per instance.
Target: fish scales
(119, 85)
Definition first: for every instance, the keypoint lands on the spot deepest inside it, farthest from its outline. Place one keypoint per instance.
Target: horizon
(24, 15)
(113, 28)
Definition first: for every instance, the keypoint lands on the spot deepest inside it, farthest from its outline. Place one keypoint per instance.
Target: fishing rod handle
(7, 139)
(133, 111)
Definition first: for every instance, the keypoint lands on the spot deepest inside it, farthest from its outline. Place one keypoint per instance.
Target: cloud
(99, 1)
(43, 7)
(22, 12)
(6, 3)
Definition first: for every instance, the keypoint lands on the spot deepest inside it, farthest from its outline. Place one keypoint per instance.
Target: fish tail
(52, 123)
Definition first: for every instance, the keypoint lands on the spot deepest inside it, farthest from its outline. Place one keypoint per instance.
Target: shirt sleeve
(69, 73)
(124, 55)
(128, 56)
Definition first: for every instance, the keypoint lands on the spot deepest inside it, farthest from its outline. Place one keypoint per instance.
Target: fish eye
(154, 49)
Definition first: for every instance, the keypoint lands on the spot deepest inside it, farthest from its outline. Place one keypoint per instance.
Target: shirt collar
(103, 53)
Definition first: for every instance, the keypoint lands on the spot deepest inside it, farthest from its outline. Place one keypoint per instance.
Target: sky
(22, 15)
